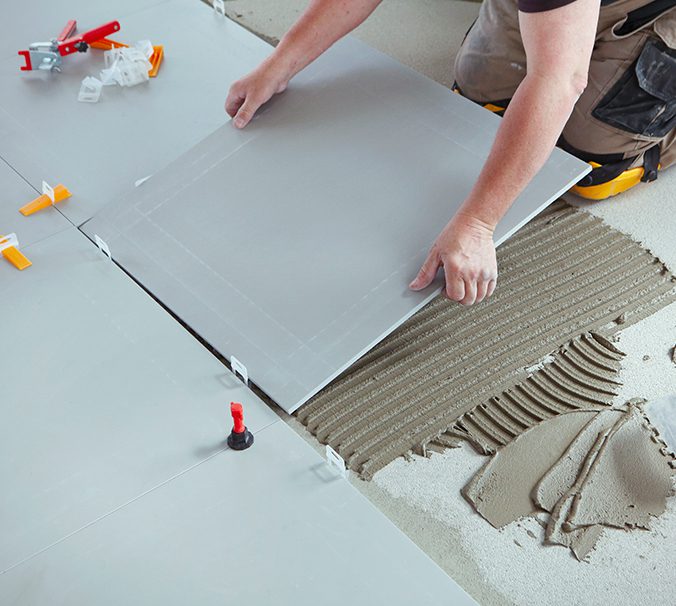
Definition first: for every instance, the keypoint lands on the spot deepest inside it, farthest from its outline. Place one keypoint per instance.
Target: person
(530, 60)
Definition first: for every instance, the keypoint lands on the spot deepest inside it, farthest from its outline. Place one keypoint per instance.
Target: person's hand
(466, 251)
(250, 92)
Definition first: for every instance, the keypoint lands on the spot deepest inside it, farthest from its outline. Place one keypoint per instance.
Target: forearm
(323, 23)
(527, 134)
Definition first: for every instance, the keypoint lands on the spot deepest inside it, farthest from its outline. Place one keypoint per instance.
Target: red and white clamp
(48, 55)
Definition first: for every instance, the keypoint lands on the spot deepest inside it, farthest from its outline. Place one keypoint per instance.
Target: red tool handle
(67, 31)
(69, 46)
(238, 417)
(27, 58)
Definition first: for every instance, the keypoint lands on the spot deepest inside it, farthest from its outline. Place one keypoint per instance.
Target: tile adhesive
(590, 470)
(568, 283)
(565, 274)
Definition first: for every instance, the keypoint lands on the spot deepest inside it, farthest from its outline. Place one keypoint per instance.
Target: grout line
(257, 390)
(26, 181)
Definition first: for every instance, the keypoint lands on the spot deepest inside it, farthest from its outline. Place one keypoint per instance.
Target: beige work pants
(629, 105)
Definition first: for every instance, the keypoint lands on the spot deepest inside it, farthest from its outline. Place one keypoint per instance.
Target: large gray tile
(15, 193)
(291, 244)
(103, 395)
(99, 150)
(270, 525)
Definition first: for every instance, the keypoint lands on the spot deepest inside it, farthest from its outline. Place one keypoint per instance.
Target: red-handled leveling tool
(240, 437)
(48, 55)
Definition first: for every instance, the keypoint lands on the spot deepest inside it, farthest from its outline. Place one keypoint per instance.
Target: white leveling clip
(336, 461)
(239, 369)
(219, 7)
(48, 191)
(103, 247)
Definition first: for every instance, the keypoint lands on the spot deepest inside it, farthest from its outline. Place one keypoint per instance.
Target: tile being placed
(291, 244)
(14, 193)
(270, 525)
(101, 149)
(103, 395)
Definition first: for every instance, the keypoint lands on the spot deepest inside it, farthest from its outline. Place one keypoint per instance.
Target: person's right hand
(250, 92)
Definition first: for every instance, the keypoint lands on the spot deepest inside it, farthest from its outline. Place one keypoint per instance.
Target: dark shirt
(540, 6)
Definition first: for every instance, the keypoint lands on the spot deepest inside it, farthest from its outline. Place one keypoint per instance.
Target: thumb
(427, 272)
(245, 113)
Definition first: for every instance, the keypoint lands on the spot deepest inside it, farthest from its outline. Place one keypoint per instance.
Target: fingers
(481, 290)
(455, 285)
(455, 288)
(234, 100)
(427, 272)
(246, 112)
(470, 293)
(466, 290)
(242, 103)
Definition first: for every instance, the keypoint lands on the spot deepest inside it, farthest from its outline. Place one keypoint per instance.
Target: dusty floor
(422, 496)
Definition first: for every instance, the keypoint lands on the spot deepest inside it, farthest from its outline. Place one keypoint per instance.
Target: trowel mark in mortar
(558, 279)
(592, 470)
(583, 374)
(630, 479)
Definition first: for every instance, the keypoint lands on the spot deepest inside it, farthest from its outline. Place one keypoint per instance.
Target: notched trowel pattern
(583, 374)
(564, 274)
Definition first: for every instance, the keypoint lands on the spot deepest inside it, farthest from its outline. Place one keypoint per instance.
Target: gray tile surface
(271, 525)
(103, 395)
(99, 150)
(14, 193)
(291, 244)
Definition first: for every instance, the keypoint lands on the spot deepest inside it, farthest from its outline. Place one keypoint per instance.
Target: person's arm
(558, 46)
(323, 23)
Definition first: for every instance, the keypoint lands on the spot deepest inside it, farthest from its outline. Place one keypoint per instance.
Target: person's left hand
(466, 251)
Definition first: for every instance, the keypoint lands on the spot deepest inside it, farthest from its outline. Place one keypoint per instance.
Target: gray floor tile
(270, 525)
(103, 395)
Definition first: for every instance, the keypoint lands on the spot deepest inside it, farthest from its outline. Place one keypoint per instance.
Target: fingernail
(239, 123)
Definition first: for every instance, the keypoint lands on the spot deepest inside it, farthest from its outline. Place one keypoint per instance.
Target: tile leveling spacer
(49, 55)
(155, 59)
(9, 247)
(48, 198)
(240, 437)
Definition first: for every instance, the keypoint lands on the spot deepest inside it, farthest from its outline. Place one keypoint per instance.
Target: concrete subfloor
(422, 496)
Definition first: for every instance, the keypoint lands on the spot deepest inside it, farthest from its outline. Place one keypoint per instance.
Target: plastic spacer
(240, 437)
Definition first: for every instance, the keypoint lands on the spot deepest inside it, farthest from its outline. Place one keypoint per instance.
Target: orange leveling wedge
(58, 194)
(107, 44)
(9, 246)
(155, 59)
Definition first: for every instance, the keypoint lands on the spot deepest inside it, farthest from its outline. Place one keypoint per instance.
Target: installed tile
(271, 525)
(99, 150)
(104, 395)
(15, 193)
(291, 244)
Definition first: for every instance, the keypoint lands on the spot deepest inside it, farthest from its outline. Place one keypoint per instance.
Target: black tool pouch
(643, 101)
